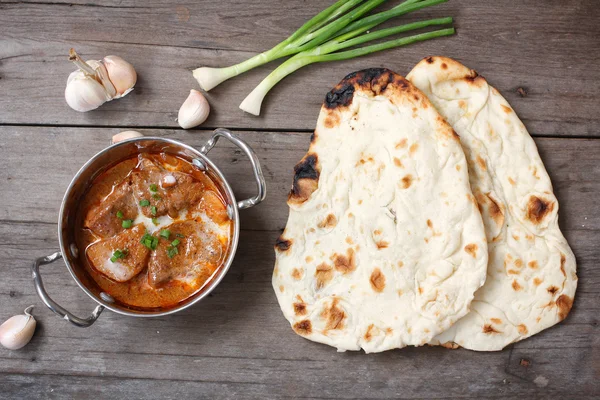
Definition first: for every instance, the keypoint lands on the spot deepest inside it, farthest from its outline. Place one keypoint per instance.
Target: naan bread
(531, 273)
(384, 246)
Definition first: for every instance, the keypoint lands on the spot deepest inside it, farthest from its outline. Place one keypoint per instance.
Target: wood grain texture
(550, 50)
(236, 343)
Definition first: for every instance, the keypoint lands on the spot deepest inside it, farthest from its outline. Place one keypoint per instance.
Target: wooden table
(236, 343)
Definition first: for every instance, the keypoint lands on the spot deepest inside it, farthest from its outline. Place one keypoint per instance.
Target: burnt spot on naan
(300, 308)
(450, 345)
(329, 222)
(297, 274)
(493, 207)
(413, 148)
(282, 244)
(537, 209)
(340, 96)
(334, 316)
(552, 290)
(515, 285)
(522, 328)
(332, 120)
(406, 181)
(381, 244)
(398, 163)
(303, 327)
(489, 329)
(564, 304)
(401, 144)
(563, 260)
(537, 281)
(429, 60)
(344, 263)
(306, 179)
(377, 280)
(323, 274)
(481, 163)
(471, 249)
(496, 321)
(368, 335)
(533, 264)
(506, 109)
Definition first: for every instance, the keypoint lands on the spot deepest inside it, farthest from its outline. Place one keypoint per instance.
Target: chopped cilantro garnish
(153, 210)
(144, 203)
(156, 196)
(118, 254)
(172, 251)
(149, 241)
(127, 223)
(155, 221)
(165, 233)
(120, 214)
(153, 188)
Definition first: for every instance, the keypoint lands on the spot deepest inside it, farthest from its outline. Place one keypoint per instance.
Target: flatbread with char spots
(532, 272)
(384, 246)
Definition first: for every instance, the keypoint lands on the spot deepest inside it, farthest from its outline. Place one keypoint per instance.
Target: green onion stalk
(329, 52)
(343, 17)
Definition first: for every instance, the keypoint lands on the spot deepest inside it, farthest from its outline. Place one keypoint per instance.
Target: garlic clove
(84, 93)
(17, 331)
(193, 111)
(119, 137)
(121, 74)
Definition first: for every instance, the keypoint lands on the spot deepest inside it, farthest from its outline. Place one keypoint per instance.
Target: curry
(152, 231)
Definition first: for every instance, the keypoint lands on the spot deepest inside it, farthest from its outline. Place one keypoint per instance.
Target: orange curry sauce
(165, 278)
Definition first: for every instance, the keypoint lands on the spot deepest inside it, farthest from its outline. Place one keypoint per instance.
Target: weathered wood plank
(236, 343)
(550, 51)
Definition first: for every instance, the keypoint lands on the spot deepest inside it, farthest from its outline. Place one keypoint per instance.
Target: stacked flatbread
(531, 273)
(385, 244)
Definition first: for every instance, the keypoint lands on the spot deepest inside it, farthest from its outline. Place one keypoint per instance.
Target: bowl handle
(51, 304)
(258, 175)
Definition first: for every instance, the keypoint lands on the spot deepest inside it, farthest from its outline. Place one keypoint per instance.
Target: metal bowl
(100, 163)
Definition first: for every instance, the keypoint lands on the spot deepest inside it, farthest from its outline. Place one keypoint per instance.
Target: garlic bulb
(17, 331)
(96, 82)
(193, 111)
(119, 137)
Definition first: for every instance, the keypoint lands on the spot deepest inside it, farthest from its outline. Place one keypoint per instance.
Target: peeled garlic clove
(193, 111)
(119, 137)
(84, 93)
(17, 331)
(121, 74)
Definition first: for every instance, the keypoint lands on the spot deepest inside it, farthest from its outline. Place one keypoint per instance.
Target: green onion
(144, 203)
(118, 254)
(153, 210)
(149, 241)
(172, 251)
(127, 223)
(155, 221)
(253, 101)
(119, 215)
(165, 233)
(175, 242)
(342, 16)
(153, 188)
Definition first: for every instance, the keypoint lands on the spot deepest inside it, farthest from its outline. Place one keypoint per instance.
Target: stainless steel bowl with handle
(101, 162)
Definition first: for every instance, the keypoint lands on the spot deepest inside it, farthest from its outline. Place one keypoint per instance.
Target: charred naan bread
(384, 246)
(531, 273)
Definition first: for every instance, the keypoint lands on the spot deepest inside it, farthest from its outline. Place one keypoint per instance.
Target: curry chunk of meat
(158, 198)
(131, 259)
(190, 253)
(105, 219)
(214, 208)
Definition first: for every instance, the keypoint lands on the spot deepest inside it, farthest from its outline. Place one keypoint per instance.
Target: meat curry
(152, 231)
